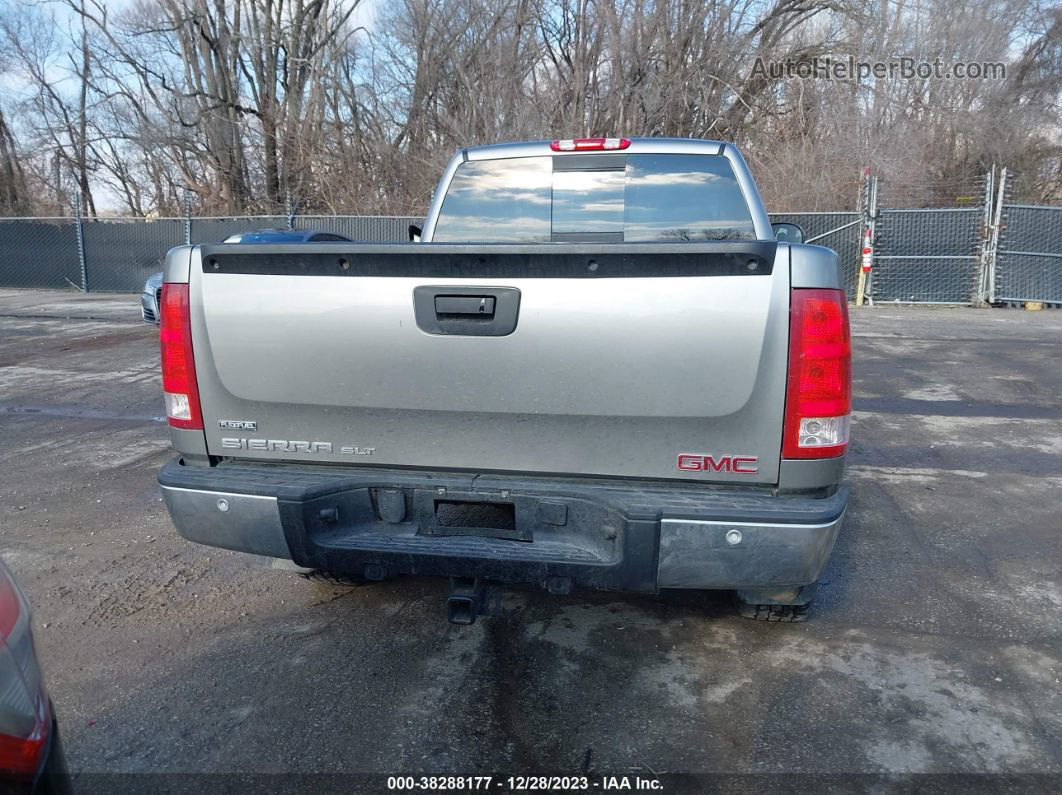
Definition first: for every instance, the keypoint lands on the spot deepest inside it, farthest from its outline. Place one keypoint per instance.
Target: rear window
(498, 201)
(595, 197)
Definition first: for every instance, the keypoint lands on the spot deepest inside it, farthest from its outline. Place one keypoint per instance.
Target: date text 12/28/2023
(523, 783)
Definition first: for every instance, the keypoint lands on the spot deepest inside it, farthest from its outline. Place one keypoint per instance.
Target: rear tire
(780, 605)
(334, 580)
(785, 614)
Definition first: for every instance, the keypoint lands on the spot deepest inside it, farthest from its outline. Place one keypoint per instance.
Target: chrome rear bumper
(611, 535)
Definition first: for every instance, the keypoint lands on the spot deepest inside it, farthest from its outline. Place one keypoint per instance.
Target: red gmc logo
(738, 465)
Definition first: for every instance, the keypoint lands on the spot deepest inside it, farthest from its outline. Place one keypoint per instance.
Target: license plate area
(485, 518)
(438, 518)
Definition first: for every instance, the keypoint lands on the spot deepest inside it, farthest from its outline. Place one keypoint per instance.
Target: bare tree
(14, 198)
(245, 103)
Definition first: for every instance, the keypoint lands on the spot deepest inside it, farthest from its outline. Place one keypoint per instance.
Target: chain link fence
(920, 255)
(366, 228)
(215, 230)
(837, 230)
(927, 255)
(1028, 262)
(132, 249)
(39, 252)
(119, 254)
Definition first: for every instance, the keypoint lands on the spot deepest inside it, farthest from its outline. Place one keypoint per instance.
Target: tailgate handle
(464, 305)
(472, 311)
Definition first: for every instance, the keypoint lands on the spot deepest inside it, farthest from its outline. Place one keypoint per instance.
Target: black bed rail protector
(443, 260)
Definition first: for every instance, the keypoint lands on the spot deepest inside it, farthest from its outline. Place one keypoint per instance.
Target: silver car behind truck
(599, 370)
(150, 298)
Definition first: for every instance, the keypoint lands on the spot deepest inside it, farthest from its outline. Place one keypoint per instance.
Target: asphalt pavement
(934, 646)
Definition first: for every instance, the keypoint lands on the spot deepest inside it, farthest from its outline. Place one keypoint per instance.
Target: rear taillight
(589, 144)
(178, 365)
(25, 720)
(20, 757)
(818, 400)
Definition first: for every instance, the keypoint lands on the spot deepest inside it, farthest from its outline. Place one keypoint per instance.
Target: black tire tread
(336, 580)
(784, 614)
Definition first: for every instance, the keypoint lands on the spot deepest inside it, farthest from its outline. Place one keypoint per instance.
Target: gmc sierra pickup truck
(595, 369)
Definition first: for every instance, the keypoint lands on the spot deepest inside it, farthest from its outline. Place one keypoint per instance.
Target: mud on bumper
(566, 532)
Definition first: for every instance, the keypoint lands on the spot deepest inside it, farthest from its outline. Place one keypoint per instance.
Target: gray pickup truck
(595, 368)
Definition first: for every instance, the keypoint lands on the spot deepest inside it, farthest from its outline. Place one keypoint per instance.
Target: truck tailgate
(595, 359)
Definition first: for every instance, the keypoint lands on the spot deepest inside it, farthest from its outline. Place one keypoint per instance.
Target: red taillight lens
(178, 365)
(818, 402)
(589, 144)
(20, 757)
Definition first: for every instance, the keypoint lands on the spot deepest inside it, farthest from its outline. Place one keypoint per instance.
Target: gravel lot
(934, 647)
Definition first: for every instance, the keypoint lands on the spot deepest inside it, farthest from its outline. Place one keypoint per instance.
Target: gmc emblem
(738, 465)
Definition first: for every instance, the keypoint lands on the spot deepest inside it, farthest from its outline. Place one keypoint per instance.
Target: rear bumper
(601, 534)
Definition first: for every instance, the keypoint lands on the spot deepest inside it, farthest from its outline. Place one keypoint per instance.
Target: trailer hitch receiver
(471, 597)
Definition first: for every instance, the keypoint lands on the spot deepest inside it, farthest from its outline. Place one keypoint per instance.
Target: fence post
(997, 223)
(872, 236)
(80, 232)
(995, 195)
(290, 210)
(187, 217)
(981, 297)
(869, 206)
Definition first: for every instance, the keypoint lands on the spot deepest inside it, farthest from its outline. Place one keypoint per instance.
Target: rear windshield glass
(633, 198)
(498, 201)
